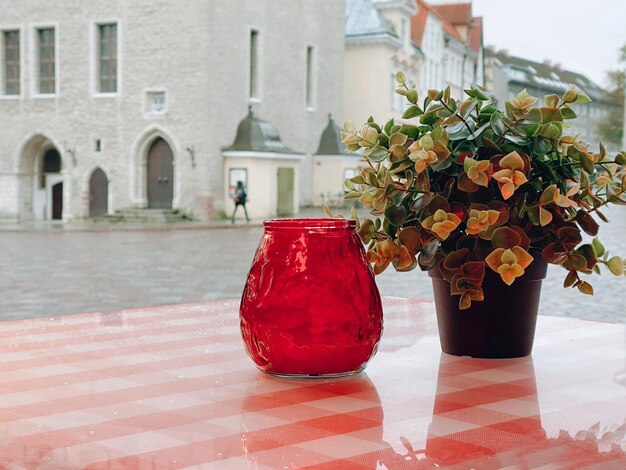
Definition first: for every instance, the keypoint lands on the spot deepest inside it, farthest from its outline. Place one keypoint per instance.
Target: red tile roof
(476, 33)
(418, 23)
(450, 14)
(455, 13)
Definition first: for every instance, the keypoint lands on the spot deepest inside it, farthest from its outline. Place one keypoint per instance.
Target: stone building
(109, 105)
(507, 75)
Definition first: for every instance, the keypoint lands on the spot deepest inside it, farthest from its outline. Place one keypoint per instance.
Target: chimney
(557, 66)
(547, 62)
(504, 52)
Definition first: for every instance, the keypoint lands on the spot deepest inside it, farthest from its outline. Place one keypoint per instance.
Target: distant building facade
(378, 44)
(451, 41)
(434, 45)
(137, 103)
(507, 75)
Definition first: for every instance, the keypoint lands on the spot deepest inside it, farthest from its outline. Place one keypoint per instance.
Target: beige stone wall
(328, 176)
(194, 51)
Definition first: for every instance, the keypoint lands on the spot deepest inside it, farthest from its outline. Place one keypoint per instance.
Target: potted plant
(482, 199)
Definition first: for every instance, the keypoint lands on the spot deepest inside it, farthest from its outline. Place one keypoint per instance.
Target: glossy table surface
(171, 387)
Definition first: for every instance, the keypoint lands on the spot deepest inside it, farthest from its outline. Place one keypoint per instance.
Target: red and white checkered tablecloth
(171, 387)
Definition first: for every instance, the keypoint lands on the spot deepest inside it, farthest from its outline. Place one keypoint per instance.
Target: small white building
(123, 103)
(268, 170)
(332, 164)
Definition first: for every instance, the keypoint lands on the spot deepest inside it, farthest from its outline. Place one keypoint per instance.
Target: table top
(171, 387)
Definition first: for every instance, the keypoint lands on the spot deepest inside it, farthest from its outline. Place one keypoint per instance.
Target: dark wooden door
(57, 201)
(98, 194)
(160, 175)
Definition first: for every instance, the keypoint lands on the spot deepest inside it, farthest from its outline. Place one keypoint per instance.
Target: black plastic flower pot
(501, 326)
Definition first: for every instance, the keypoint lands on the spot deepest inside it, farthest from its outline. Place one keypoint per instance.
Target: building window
(11, 43)
(254, 64)
(310, 77)
(107, 58)
(45, 38)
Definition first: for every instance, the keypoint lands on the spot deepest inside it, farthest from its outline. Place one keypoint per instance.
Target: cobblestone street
(54, 272)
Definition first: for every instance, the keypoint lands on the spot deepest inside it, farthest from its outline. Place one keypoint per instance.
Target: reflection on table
(171, 387)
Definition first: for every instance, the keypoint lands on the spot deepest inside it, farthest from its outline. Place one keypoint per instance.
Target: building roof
(455, 13)
(476, 33)
(330, 142)
(257, 135)
(363, 19)
(543, 74)
(418, 22)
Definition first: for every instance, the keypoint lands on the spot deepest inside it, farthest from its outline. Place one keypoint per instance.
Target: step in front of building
(146, 216)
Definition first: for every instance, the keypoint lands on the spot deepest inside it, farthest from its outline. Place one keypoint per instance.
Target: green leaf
(412, 111)
(388, 126)
(401, 78)
(327, 210)
(616, 266)
(517, 140)
(473, 93)
(598, 247)
(541, 146)
(613, 199)
(497, 124)
(534, 115)
(587, 163)
(568, 113)
(478, 132)
(410, 130)
(376, 154)
(582, 98)
(396, 215)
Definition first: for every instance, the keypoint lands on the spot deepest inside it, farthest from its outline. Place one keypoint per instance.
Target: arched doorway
(160, 175)
(40, 180)
(51, 181)
(98, 193)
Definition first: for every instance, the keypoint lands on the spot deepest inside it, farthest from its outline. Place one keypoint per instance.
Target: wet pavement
(52, 271)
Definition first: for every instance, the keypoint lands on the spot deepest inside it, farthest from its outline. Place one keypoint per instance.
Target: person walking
(240, 197)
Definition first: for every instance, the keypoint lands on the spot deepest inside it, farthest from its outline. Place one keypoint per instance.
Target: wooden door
(98, 194)
(57, 201)
(285, 191)
(160, 175)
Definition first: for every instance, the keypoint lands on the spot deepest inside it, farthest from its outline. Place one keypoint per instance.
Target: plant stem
(454, 113)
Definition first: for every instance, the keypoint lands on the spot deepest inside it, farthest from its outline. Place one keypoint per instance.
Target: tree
(611, 129)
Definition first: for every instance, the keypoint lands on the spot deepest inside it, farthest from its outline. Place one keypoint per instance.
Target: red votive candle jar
(310, 306)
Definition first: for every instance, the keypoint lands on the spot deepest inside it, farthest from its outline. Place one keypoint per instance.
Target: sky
(582, 35)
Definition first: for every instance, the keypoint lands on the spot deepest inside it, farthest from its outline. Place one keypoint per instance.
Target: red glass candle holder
(310, 306)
